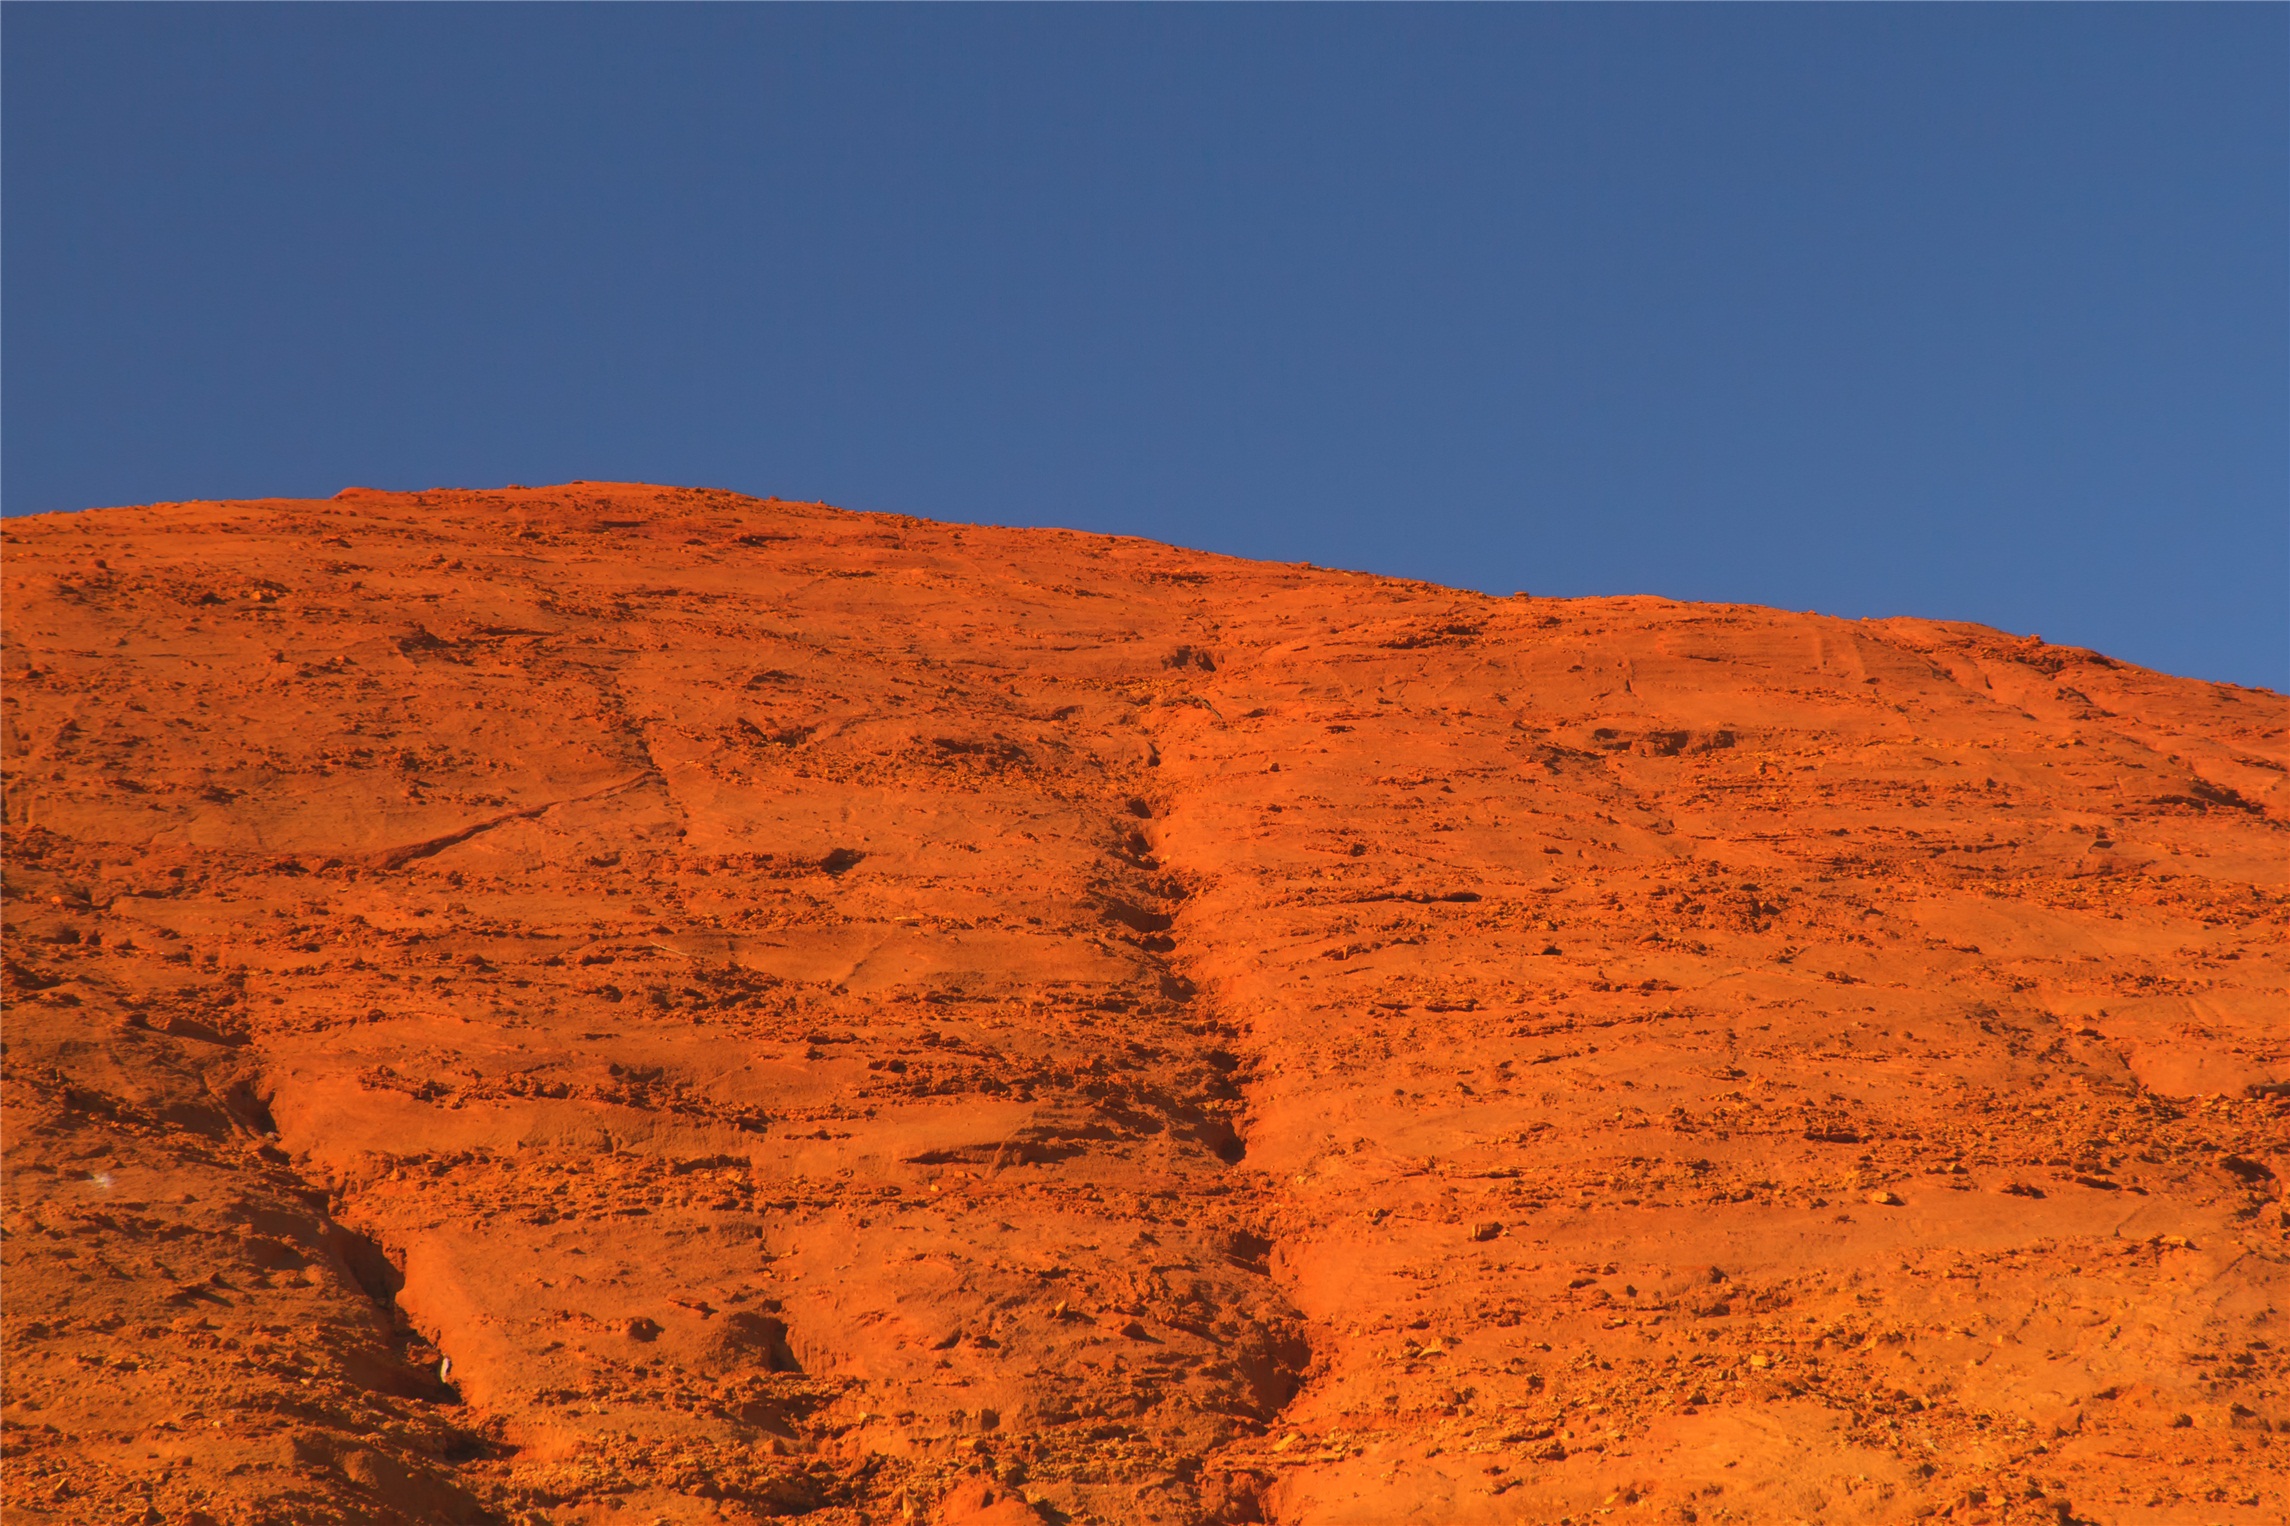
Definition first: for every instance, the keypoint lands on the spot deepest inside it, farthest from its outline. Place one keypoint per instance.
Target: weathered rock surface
(817, 1013)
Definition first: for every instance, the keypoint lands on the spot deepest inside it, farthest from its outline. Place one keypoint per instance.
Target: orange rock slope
(622, 1004)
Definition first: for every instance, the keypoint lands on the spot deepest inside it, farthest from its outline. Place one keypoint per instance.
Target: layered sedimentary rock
(609, 1003)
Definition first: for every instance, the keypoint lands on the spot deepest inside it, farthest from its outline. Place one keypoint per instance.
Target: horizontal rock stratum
(622, 1004)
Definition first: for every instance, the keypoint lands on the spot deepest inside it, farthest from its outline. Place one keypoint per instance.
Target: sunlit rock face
(618, 1004)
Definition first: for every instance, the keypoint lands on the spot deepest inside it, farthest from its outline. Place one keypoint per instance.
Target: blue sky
(1971, 312)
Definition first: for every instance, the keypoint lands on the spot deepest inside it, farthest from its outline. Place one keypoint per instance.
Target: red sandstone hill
(836, 1015)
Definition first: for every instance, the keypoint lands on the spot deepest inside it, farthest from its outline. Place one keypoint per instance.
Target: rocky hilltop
(622, 1004)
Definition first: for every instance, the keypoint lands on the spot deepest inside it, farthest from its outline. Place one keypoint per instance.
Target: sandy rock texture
(615, 1004)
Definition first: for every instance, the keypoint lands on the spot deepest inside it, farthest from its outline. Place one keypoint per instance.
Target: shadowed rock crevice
(269, 1350)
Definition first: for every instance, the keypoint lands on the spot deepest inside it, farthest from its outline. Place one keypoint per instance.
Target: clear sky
(1978, 312)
